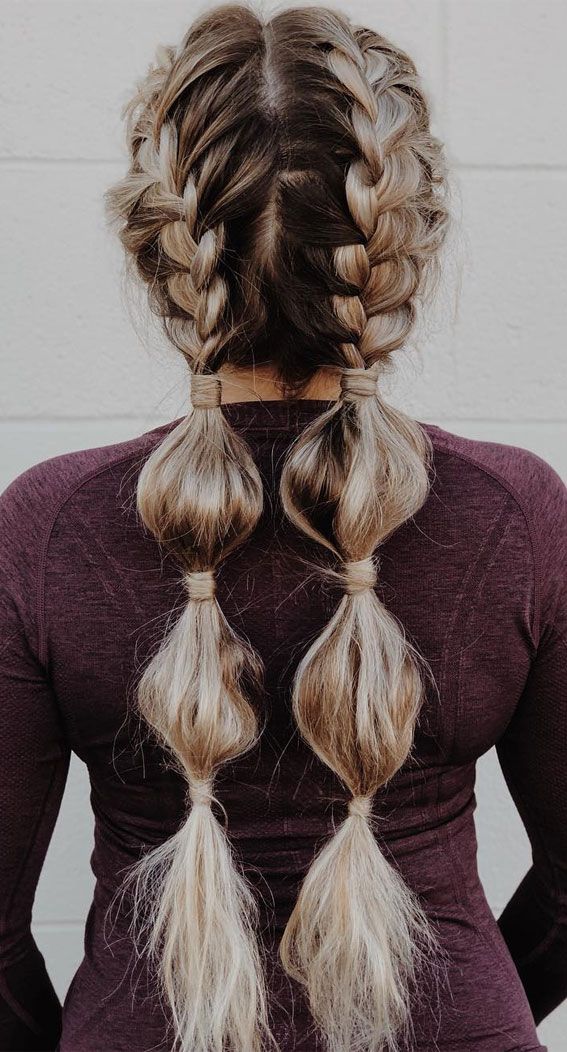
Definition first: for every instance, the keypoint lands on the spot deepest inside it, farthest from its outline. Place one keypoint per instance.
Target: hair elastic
(360, 574)
(201, 584)
(206, 390)
(359, 383)
(361, 806)
(200, 793)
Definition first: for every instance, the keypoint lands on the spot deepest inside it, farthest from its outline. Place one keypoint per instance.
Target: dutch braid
(285, 198)
(200, 495)
(358, 933)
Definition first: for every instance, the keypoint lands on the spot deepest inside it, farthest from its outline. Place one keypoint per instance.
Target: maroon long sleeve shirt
(477, 579)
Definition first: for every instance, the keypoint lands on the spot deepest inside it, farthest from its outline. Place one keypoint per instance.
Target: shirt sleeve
(34, 761)
(533, 757)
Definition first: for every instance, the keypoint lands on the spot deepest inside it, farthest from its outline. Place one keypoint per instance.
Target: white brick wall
(490, 361)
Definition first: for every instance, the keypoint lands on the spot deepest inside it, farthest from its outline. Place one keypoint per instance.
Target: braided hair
(358, 689)
(285, 202)
(200, 495)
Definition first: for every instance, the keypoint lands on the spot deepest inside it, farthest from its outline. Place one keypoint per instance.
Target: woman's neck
(261, 383)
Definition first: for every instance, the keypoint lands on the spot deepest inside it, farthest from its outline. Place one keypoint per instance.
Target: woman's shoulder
(36, 500)
(40, 490)
(477, 471)
(60, 494)
(527, 476)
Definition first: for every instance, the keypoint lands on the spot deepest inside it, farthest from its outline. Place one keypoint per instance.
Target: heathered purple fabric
(478, 579)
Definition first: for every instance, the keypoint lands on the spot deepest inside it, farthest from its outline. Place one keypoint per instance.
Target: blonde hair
(285, 202)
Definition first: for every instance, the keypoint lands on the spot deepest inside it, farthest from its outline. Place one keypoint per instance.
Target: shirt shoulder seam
(44, 547)
(534, 548)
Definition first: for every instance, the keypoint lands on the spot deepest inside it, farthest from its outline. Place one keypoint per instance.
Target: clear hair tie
(359, 575)
(361, 806)
(200, 584)
(206, 390)
(359, 383)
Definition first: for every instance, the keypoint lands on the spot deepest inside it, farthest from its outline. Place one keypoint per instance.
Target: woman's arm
(34, 761)
(533, 756)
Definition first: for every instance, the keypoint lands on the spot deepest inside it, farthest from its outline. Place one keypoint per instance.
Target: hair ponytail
(200, 494)
(284, 200)
(358, 937)
(195, 909)
(358, 934)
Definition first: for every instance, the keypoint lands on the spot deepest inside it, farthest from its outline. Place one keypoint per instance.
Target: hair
(286, 202)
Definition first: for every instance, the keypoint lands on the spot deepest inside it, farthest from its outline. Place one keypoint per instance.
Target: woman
(281, 629)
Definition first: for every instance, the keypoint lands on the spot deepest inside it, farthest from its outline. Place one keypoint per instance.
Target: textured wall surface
(488, 361)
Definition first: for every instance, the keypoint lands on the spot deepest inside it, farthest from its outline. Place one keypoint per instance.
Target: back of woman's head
(286, 202)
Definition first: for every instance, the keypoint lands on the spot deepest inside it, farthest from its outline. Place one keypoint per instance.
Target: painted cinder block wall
(488, 360)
